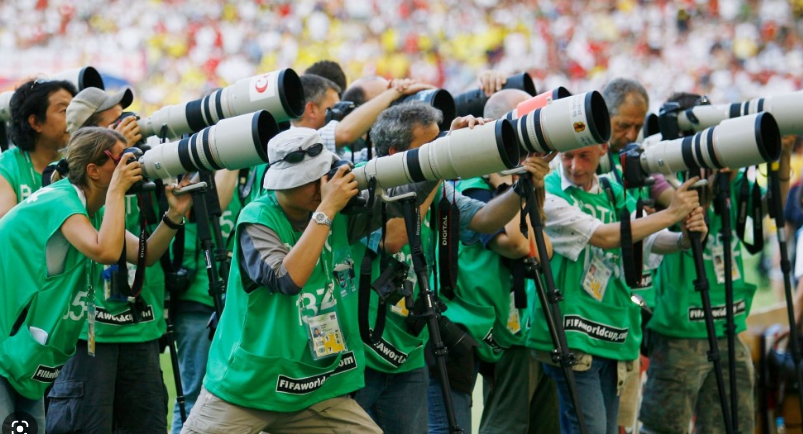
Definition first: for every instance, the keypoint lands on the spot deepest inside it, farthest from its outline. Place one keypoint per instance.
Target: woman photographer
(55, 240)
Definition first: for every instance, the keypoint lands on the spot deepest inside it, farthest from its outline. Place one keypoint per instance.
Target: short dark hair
(617, 91)
(355, 94)
(315, 88)
(330, 70)
(685, 99)
(32, 98)
(394, 126)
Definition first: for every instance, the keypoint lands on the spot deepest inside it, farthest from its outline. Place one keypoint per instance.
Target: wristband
(172, 225)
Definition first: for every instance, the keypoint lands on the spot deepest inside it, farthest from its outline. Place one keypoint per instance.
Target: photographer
(38, 129)
(127, 328)
(602, 323)
(269, 369)
(398, 129)
(329, 70)
(681, 383)
(518, 395)
(45, 302)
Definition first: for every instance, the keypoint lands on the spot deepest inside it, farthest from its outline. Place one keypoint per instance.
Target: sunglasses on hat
(298, 156)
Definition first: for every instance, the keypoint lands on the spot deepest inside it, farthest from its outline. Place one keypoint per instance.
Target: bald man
(518, 395)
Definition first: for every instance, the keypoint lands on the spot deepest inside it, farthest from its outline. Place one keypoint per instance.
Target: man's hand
(685, 200)
(467, 121)
(695, 222)
(129, 128)
(538, 166)
(336, 192)
(491, 81)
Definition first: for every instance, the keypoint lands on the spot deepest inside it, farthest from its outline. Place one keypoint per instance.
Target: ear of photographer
(38, 129)
(602, 323)
(72, 227)
(130, 312)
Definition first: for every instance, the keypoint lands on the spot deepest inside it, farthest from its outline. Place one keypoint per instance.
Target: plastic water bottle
(780, 426)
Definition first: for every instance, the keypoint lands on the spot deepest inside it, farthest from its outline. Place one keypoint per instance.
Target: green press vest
(114, 322)
(398, 350)
(55, 303)
(679, 311)
(261, 356)
(610, 328)
(17, 169)
(483, 295)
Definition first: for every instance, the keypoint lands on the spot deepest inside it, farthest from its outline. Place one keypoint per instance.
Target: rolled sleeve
(568, 227)
(262, 256)
(468, 208)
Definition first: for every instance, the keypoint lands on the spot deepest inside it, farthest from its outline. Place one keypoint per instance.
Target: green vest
(194, 260)
(648, 292)
(679, 311)
(483, 296)
(609, 328)
(16, 167)
(398, 351)
(114, 322)
(257, 190)
(55, 303)
(262, 353)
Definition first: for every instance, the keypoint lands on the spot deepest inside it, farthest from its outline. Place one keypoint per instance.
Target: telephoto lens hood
(279, 92)
(473, 101)
(440, 99)
(81, 78)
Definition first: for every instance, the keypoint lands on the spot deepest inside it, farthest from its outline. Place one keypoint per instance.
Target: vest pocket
(280, 384)
(31, 366)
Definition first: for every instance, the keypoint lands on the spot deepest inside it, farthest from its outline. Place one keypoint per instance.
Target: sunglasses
(298, 156)
(39, 81)
(116, 160)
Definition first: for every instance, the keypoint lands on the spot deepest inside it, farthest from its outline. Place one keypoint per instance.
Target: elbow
(392, 247)
(344, 136)
(105, 258)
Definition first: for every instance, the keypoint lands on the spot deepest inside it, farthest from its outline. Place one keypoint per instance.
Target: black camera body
(143, 185)
(339, 111)
(392, 284)
(357, 204)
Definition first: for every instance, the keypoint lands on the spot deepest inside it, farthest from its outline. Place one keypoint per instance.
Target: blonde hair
(86, 147)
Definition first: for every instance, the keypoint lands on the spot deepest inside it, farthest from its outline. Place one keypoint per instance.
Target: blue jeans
(596, 392)
(11, 401)
(192, 342)
(396, 402)
(438, 420)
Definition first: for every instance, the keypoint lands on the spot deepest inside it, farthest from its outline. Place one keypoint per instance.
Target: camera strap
(123, 287)
(632, 253)
(364, 289)
(744, 199)
(448, 230)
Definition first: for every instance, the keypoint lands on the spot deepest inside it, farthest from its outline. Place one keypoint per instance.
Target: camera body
(392, 284)
(141, 143)
(339, 111)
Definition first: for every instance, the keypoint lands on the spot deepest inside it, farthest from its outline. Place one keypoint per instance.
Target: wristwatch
(321, 219)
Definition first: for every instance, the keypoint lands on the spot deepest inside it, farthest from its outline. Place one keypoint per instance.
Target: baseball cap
(93, 100)
(283, 175)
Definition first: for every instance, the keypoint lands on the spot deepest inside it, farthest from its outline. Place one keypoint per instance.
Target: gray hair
(617, 91)
(394, 126)
(315, 88)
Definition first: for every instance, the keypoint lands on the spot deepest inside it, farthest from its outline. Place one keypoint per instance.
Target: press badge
(595, 280)
(513, 319)
(400, 308)
(344, 275)
(718, 254)
(325, 335)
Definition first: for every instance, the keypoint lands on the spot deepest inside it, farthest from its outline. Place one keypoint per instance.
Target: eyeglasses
(116, 160)
(298, 156)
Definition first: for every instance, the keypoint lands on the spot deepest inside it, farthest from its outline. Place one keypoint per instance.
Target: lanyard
(30, 165)
(90, 308)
